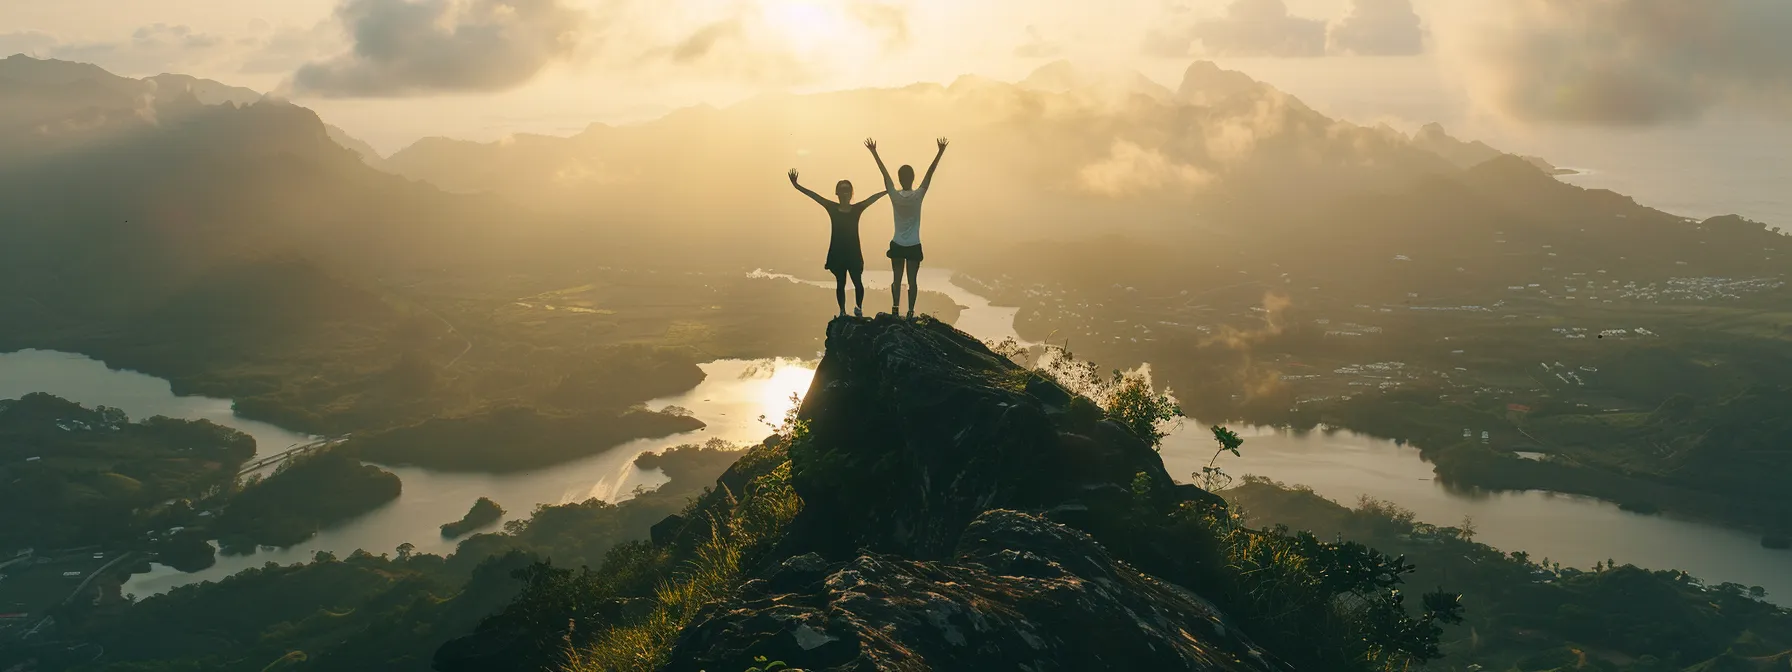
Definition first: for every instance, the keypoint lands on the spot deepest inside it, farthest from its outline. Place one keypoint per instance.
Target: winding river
(735, 394)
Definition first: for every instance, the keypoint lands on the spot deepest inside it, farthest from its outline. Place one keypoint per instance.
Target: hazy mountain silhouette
(116, 193)
(55, 104)
(1059, 149)
(1432, 138)
(1066, 152)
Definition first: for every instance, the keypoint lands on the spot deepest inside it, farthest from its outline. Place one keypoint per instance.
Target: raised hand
(793, 176)
(871, 145)
(942, 142)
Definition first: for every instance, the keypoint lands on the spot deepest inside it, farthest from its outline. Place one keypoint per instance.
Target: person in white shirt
(905, 245)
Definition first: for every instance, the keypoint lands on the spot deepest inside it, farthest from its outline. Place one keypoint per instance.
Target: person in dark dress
(844, 257)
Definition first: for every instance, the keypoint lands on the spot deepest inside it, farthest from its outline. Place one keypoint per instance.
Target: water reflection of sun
(777, 380)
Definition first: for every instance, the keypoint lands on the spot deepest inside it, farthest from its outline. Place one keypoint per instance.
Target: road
(77, 592)
(264, 462)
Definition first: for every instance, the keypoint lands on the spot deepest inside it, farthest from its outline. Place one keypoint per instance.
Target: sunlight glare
(807, 24)
(788, 378)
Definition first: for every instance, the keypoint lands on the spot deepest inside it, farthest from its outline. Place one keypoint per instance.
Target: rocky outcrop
(1020, 593)
(917, 428)
(949, 501)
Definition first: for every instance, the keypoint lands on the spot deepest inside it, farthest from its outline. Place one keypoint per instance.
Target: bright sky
(391, 71)
(800, 45)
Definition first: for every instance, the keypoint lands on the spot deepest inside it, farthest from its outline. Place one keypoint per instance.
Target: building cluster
(1568, 375)
(1699, 289)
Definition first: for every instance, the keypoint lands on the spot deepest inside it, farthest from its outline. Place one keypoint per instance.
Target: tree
(1126, 397)
(1467, 528)
(404, 551)
(1757, 592)
(1211, 476)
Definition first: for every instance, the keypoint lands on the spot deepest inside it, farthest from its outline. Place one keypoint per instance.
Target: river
(735, 394)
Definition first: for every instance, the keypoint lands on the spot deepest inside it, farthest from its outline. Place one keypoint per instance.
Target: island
(484, 512)
(308, 493)
(514, 438)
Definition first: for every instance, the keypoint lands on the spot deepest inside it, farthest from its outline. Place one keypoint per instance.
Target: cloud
(151, 49)
(753, 42)
(281, 50)
(1378, 28)
(699, 44)
(420, 47)
(1130, 170)
(890, 20)
(1626, 62)
(1248, 28)
(732, 48)
(1037, 46)
(30, 42)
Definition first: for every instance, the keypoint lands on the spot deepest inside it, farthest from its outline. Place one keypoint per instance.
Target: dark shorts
(909, 252)
(845, 259)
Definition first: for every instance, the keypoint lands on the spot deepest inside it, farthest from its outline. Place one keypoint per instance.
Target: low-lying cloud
(1378, 28)
(1627, 62)
(1129, 170)
(151, 49)
(420, 47)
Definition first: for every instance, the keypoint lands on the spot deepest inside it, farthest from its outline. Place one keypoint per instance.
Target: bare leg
(896, 287)
(914, 267)
(858, 291)
(840, 290)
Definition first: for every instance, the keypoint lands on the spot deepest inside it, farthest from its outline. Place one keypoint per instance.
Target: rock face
(943, 489)
(917, 428)
(1021, 593)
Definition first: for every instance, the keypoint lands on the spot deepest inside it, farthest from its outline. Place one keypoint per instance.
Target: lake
(1343, 466)
(735, 394)
(731, 399)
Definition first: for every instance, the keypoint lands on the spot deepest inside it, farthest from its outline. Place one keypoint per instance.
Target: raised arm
(867, 202)
(928, 180)
(872, 145)
(806, 192)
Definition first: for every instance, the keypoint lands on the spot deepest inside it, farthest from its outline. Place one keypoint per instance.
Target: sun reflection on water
(778, 385)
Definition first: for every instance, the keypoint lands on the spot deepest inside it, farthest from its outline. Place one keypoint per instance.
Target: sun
(808, 24)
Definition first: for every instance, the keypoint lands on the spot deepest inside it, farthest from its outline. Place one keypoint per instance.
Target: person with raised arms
(905, 246)
(844, 256)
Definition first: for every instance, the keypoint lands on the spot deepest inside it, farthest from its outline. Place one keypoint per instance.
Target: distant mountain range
(57, 101)
(151, 182)
(1218, 122)
(117, 193)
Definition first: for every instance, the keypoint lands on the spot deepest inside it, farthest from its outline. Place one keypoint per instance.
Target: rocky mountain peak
(944, 491)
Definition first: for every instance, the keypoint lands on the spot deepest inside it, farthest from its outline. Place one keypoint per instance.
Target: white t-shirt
(907, 205)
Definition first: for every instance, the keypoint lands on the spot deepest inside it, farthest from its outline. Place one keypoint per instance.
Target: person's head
(844, 190)
(907, 175)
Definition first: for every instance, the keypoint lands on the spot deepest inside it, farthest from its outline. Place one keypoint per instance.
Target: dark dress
(843, 244)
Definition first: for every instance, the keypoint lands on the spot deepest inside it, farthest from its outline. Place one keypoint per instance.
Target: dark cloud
(1037, 46)
(1248, 28)
(1631, 61)
(1378, 28)
(419, 47)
